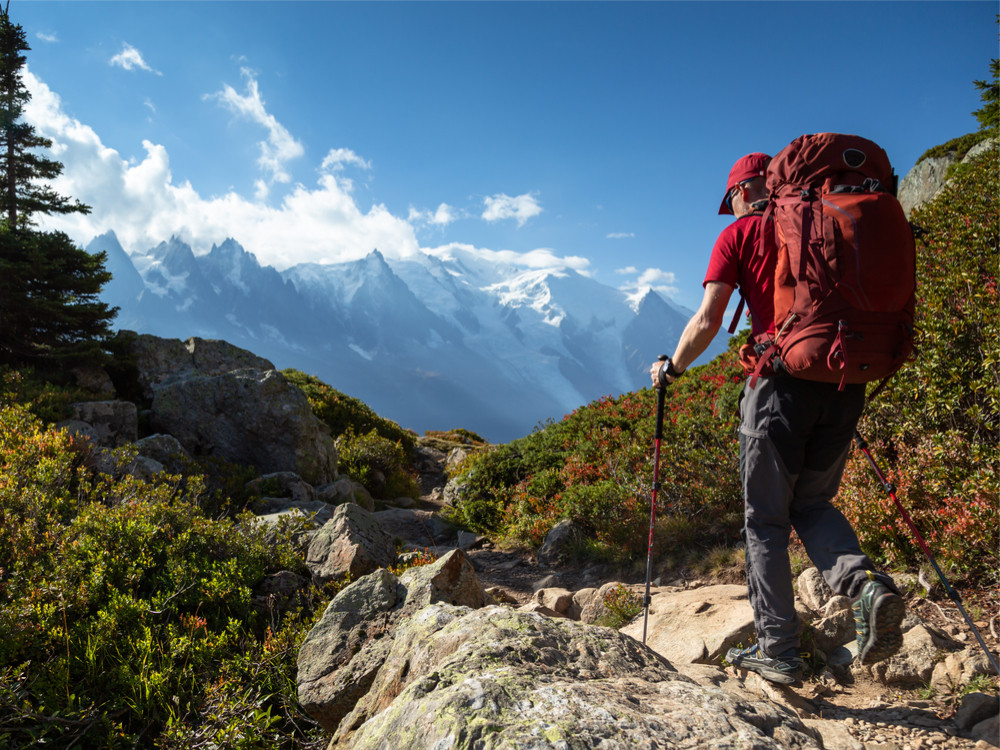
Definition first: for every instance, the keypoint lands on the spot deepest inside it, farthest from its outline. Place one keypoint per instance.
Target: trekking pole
(657, 437)
(890, 490)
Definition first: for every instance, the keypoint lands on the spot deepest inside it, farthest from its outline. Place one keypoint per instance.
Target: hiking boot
(878, 613)
(785, 670)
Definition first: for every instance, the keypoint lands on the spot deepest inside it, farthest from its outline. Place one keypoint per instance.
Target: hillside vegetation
(935, 431)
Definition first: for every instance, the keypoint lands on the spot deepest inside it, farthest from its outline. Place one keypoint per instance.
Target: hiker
(794, 437)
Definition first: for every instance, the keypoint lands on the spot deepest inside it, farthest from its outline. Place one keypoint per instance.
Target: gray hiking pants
(794, 439)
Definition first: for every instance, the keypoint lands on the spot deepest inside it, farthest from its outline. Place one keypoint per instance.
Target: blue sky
(592, 135)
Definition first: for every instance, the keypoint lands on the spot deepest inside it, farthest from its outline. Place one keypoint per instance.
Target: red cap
(750, 166)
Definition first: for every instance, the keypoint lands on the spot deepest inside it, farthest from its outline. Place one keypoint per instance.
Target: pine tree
(50, 311)
(989, 92)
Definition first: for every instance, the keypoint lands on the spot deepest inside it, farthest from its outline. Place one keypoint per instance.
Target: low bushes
(127, 612)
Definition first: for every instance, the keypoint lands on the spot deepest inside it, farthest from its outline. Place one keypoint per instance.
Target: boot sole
(886, 637)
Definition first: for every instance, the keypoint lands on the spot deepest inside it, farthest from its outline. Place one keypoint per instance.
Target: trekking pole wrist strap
(668, 370)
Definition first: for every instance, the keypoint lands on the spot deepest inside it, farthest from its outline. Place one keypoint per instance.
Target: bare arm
(700, 330)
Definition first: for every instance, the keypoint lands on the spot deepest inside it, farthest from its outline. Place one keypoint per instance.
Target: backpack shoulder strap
(739, 308)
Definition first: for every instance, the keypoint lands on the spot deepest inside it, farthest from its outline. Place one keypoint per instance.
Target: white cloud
(660, 281)
(280, 146)
(142, 203)
(519, 207)
(130, 59)
(620, 235)
(338, 157)
(541, 258)
(627, 271)
(47, 37)
(441, 217)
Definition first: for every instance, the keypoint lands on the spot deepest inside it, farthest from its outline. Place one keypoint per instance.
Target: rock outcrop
(341, 656)
(500, 678)
(351, 543)
(928, 178)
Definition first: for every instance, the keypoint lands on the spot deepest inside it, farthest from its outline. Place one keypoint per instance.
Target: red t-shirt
(736, 262)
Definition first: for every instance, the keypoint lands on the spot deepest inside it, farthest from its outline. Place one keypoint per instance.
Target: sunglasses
(737, 186)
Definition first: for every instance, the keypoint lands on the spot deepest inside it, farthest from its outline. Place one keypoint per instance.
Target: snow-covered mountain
(430, 341)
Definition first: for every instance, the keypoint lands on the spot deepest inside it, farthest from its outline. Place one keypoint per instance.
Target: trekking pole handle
(660, 394)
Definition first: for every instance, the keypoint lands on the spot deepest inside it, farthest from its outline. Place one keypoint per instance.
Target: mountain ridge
(432, 341)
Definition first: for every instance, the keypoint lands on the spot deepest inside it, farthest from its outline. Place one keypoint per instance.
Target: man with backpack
(795, 433)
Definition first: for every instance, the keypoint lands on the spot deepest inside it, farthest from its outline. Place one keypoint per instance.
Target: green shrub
(935, 431)
(958, 146)
(378, 463)
(127, 611)
(623, 605)
(342, 413)
(596, 466)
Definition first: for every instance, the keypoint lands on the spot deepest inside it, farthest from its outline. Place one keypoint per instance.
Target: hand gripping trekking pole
(890, 490)
(657, 437)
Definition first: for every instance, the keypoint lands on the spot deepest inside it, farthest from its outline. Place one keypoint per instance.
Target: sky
(590, 135)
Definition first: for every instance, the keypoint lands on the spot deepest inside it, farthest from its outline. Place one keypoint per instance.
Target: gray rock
(167, 450)
(836, 627)
(914, 664)
(558, 600)
(958, 668)
(467, 539)
(813, 591)
(283, 484)
(351, 542)
(278, 591)
(924, 182)
(499, 678)
(332, 677)
(346, 490)
(341, 655)
(252, 417)
(161, 361)
(975, 708)
(115, 422)
(79, 430)
(559, 542)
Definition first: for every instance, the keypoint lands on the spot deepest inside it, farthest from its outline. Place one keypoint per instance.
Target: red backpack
(845, 273)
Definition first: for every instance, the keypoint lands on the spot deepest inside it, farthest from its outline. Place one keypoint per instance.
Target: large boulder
(341, 655)
(251, 417)
(351, 542)
(697, 625)
(497, 678)
(159, 361)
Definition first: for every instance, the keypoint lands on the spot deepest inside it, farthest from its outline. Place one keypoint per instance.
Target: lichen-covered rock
(341, 655)
(351, 542)
(252, 417)
(498, 678)
(333, 673)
